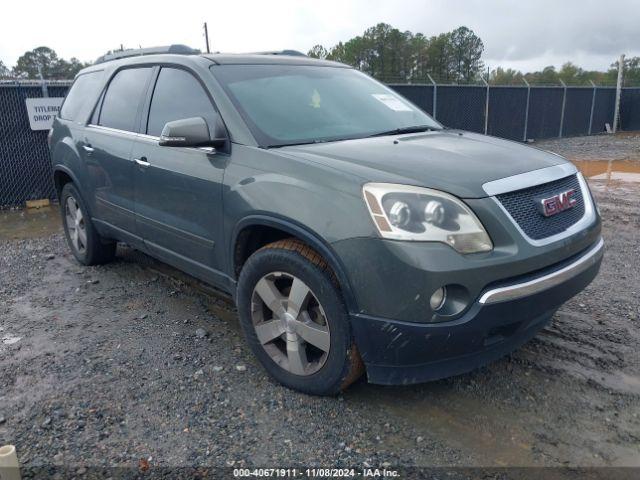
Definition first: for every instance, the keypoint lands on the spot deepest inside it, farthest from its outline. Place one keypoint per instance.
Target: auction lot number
(315, 472)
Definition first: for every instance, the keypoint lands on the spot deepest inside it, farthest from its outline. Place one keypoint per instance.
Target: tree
(40, 59)
(631, 72)
(69, 69)
(438, 58)
(4, 71)
(500, 76)
(393, 55)
(318, 51)
(44, 60)
(548, 76)
(572, 74)
(466, 55)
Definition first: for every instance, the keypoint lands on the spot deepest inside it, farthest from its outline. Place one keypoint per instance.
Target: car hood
(449, 160)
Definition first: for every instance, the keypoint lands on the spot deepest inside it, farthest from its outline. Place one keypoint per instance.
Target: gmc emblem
(558, 203)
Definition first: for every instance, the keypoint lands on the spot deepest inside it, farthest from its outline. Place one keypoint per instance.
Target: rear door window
(177, 95)
(123, 97)
(83, 91)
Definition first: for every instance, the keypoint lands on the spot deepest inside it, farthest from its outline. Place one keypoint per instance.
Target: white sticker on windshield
(392, 102)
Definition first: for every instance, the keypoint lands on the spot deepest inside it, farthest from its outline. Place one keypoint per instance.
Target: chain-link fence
(527, 112)
(25, 167)
(516, 113)
(630, 109)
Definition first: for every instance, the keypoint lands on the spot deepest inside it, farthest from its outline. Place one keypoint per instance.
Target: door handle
(88, 149)
(142, 162)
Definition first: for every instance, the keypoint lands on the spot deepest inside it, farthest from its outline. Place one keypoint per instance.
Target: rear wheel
(295, 321)
(85, 243)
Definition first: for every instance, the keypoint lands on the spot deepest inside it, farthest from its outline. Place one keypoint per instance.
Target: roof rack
(136, 52)
(293, 53)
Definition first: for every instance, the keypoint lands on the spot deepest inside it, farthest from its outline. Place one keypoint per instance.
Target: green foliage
(466, 54)
(548, 76)
(631, 72)
(394, 56)
(391, 55)
(570, 74)
(4, 71)
(318, 51)
(46, 61)
(500, 76)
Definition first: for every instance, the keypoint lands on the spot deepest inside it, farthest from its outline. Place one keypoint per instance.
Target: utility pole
(206, 36)
(616, 115)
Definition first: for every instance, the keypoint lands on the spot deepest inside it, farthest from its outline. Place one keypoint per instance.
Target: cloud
(530, 33)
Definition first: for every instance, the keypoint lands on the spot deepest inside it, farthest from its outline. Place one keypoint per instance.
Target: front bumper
(503, 317)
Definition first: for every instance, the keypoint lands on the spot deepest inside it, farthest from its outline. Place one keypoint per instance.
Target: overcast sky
(522, 34)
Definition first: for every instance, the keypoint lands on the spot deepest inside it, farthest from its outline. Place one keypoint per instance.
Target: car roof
(269, 59)
(266, 58)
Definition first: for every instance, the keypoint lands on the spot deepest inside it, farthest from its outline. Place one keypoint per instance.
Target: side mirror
(193, 132)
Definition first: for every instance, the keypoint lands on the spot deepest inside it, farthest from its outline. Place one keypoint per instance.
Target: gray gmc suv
(355, 233)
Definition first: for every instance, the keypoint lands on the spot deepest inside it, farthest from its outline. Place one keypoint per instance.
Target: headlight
(403, 212)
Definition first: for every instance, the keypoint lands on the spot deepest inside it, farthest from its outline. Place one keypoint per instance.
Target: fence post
(486, 108)
(564, 102)
(593, 104)
(435, 97)
(616, 114)
(43, 83)
(526, 110)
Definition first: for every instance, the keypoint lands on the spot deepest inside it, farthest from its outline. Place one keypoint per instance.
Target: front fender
(313, 239)
(314, 202)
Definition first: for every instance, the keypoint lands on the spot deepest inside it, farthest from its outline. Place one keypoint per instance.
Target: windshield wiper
(395, 131)
(401, 130)
(293, 144)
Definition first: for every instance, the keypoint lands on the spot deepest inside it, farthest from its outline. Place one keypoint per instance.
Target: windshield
(290, 105)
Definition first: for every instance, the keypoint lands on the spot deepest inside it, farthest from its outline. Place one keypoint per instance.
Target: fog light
(438, 298)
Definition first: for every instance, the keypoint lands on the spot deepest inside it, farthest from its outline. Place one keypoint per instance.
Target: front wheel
(294, 319)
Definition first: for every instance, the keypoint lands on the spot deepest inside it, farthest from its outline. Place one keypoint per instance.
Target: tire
(328, 364)
(85, 243)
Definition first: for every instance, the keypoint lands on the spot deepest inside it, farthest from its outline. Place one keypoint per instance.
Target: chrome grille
(523, 208)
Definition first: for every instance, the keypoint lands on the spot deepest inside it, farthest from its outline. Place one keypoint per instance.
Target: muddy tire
(295, 321)
(85, 243)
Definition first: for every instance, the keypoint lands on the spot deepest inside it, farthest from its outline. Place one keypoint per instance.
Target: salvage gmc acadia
(355, 233)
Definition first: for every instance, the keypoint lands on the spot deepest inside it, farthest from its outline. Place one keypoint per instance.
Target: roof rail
(293, 53)
(136, 52)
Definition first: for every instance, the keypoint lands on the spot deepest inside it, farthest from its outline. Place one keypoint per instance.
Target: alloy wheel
(74, 219)
(290, 323)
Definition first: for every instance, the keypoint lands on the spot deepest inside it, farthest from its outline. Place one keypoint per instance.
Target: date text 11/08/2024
(316, 473)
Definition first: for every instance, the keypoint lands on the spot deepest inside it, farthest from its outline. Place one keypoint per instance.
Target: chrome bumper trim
(519, 290)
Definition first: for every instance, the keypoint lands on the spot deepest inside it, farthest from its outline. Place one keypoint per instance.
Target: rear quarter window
(82, 92)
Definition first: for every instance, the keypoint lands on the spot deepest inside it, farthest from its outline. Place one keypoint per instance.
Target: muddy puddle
(29, 223)
(610, 170)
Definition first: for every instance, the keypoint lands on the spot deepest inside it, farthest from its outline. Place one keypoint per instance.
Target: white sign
(42, 111)
(392, 102)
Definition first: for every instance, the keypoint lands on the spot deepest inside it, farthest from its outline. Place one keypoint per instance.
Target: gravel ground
(623, 146)
(135, 364)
